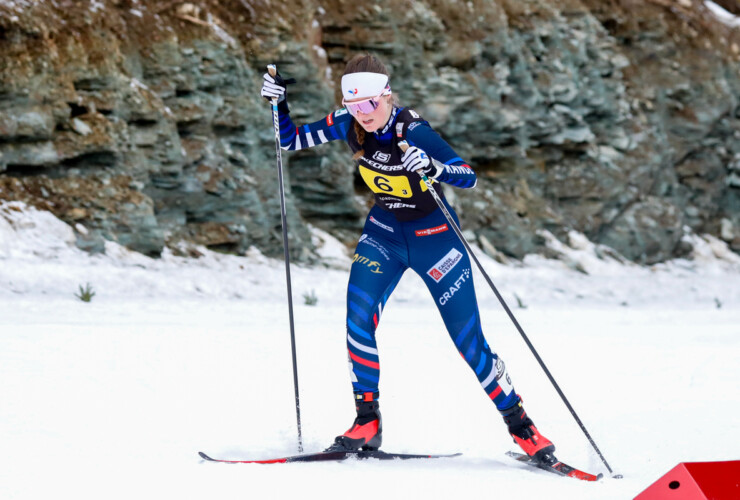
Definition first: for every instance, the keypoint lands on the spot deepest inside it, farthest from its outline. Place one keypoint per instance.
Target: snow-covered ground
(113, 398)
(723, 15)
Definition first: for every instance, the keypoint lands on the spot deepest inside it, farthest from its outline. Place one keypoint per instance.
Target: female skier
(404, 229)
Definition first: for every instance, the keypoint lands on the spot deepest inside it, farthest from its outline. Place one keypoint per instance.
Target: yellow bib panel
(393, 185)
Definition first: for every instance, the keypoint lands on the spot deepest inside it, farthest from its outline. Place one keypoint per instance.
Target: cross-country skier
(404, 229)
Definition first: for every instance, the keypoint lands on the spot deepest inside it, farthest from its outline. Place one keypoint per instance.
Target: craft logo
(380, 224)
(373, 265)
(445, 265)
(455, 287)
(384, 157)
(414, 114)
(432, 230)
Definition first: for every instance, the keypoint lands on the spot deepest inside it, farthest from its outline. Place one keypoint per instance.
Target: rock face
(141, 122)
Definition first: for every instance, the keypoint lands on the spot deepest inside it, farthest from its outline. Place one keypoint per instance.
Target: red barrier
(697, 481)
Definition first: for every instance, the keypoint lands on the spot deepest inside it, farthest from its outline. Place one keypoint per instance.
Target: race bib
(394, 185)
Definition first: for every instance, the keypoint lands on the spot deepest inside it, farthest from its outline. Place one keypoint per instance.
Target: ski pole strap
(272, 69)
(367, 396)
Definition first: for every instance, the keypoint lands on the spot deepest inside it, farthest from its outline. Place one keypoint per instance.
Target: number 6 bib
(395, 185)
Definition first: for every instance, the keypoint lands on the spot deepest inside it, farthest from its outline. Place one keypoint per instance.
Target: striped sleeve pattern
(294, 137)
(459, 175)
(456, 172)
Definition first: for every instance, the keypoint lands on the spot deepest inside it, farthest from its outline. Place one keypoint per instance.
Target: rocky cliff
(141, 121)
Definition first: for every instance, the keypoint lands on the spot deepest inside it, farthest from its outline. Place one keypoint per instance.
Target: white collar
(391, 119)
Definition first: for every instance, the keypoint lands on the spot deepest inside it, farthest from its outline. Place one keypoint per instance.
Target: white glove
(416, 160)
(273, 88)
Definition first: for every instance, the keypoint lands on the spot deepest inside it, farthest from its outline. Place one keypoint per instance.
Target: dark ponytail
(360, 133)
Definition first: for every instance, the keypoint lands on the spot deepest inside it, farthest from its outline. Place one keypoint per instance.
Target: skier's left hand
(416, 160)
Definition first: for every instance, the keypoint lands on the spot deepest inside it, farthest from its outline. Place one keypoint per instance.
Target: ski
(328, 456)
(555, 467)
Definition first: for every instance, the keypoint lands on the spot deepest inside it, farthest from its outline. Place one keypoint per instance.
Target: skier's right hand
(273, 87)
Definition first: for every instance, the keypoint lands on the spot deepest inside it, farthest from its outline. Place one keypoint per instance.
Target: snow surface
(723, 15)
(113, 398)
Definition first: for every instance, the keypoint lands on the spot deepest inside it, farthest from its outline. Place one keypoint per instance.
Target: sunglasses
(367, 106)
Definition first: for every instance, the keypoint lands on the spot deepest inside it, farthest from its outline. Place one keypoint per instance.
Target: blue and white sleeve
(456, 172)
(294, 137)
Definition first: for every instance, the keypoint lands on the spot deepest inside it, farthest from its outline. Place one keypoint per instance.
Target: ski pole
(272, 69)
(404, 146)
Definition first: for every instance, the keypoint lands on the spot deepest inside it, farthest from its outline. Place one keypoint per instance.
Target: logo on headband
(352, 92)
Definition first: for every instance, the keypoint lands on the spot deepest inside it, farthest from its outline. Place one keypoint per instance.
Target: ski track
(114, 398)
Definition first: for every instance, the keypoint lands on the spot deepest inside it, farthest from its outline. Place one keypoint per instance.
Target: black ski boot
(527, 436)
(366, 432)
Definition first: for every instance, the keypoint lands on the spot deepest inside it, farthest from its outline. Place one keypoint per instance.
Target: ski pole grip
(404, 146)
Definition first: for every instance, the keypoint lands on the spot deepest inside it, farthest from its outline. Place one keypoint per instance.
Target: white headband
(356, 85)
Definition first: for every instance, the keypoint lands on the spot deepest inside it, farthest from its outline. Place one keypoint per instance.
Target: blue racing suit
(405, 229)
